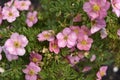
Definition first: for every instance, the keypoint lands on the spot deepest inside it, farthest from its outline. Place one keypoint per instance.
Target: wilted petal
(103, 33)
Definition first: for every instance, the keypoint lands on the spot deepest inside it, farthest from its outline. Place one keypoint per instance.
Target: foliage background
(56, 15)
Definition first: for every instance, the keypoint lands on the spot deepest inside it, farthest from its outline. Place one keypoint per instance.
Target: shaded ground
(112, 75)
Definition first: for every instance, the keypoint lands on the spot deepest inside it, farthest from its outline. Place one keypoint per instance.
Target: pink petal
(98, 75)
(11, 50)
(51, 38)
(71, 43)
(34, 13)
(66, 31)
(87, 7)
(93, 15)
(117, 12)
(103, 68)
(14, 36)
(23, 40)
(72, 37)
(29, 77)
(29, 23)
(25, 71)
(57, 50)
(10, 57)
(60, 36)
(62, 43)
(41, 37)
(20, 51)
(95, 29)
(9, 43)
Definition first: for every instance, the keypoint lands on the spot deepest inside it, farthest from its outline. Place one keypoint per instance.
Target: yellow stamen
(46, 35)
(31, 18)
(65, 38)
(96, 7)
(76, 31)
(83, 42)
(102, 73)
(10, 14)
(54, 46)
(35, 59)
(16, 44)
(31, 72)
(22, 4)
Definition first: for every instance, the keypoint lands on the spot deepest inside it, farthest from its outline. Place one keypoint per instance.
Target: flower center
(10, 14)
(31, 72)
(54, 46)
(76, 31)
(16, 44)
(83, 42)
(102, 73)
(22, 4)
(35, 60)
(65, 38)
(46, 35)
(96, 8)
(93, 22)
(31, 18)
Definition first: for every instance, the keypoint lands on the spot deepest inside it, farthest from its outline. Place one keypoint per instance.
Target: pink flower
(93, 58)
(118, 32)
(103, 33)
(66, 38)
(98, 25)
(116, 7)
(84, 43)
(15, 45)
(46, 35)
(35, 57)
(77, 18)
(31, 71)
(10, 13)
(86, 69)
(0, 53)
(96, 9)
(84, 30)
(9, 56)
(31, 18)
(101, 72)
(53, 46)
(22, 5)
(73, 59)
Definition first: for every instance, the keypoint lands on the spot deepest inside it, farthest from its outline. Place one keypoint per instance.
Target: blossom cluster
(33, 68)
(11, 11)
(73, 36)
